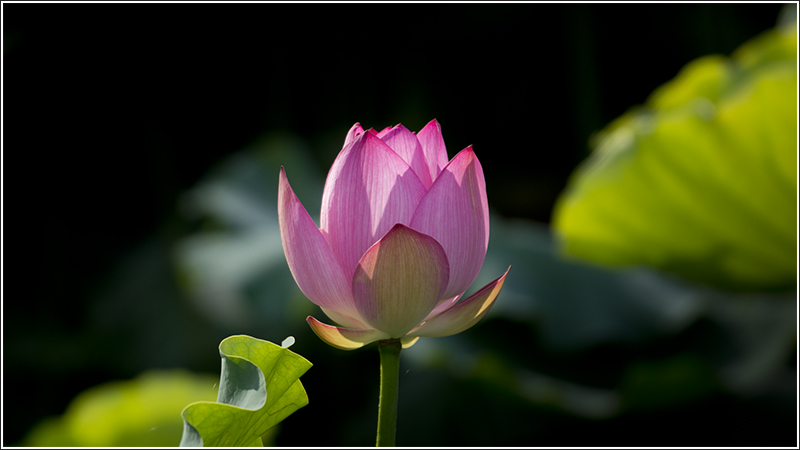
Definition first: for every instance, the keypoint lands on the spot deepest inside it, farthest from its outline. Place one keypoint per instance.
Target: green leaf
(702, 180)
(259, 387)
(142, 412)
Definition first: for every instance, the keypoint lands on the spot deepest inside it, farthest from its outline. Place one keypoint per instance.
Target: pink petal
(433, 147)
(400, 280)
(383, 132)
(443, 305)
(343, 319)
(355, 130)
(405, 144)
(311, 260)
(369, 189)
(463, 315)
(344, 338)
(455, 212)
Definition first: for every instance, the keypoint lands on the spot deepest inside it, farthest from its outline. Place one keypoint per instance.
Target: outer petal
(433, 147)
(369, 189)
(445, 304)
(400, 280)
(455, 212)
(406, 144)
(344, 338)
(464, 314)
(345, 320)
(355, 130)
(407, 342)
(311, 260)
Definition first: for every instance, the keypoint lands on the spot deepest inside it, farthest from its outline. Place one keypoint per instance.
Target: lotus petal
(464, 314)
(406, 144)
(407, 342)
(400, 280)
(443, 305)
(344, 320)
(430, 137)
(369, 189)
(455, 212)
(344, 338)
(354, 131)
(311, 260)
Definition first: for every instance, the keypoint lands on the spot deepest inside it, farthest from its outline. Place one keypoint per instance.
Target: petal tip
(464, 314)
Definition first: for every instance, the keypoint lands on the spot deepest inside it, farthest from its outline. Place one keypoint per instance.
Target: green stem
(390, 380)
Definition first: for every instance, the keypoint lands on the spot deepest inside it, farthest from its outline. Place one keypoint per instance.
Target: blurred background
(144, 143)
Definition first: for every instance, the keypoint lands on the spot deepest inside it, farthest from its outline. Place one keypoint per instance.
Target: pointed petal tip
(432, 123)
(282, 177)
(311, 261)
(464, 314)
(468, 151)
(352, 134)
(498, 282)
(284, 187)
(356, 129)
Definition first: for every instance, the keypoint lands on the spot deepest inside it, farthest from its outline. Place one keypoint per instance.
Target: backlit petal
(383, 132)
(407, 342)
(344, 338)
(369, 189)
(311, 260)
(447, 303)
(405, 144)
(343, 319)
(400, 280)
(455, 212)
(464, 314)
(430, 137)
(355, 130)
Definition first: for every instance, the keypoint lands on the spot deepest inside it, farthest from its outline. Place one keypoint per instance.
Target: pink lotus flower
(403, 235)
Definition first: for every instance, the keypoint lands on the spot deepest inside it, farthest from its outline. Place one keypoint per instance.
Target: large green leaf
(142, 412)
(259, 387)
(691, 340)
(702, 180)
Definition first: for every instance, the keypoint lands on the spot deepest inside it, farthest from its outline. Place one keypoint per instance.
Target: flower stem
(387, 405)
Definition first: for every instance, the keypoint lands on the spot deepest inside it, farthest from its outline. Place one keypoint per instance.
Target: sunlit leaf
(143, 412)
(563, 306)
(702, 180)
(259, 387)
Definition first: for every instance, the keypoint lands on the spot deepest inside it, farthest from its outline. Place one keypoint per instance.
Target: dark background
(111, 111)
